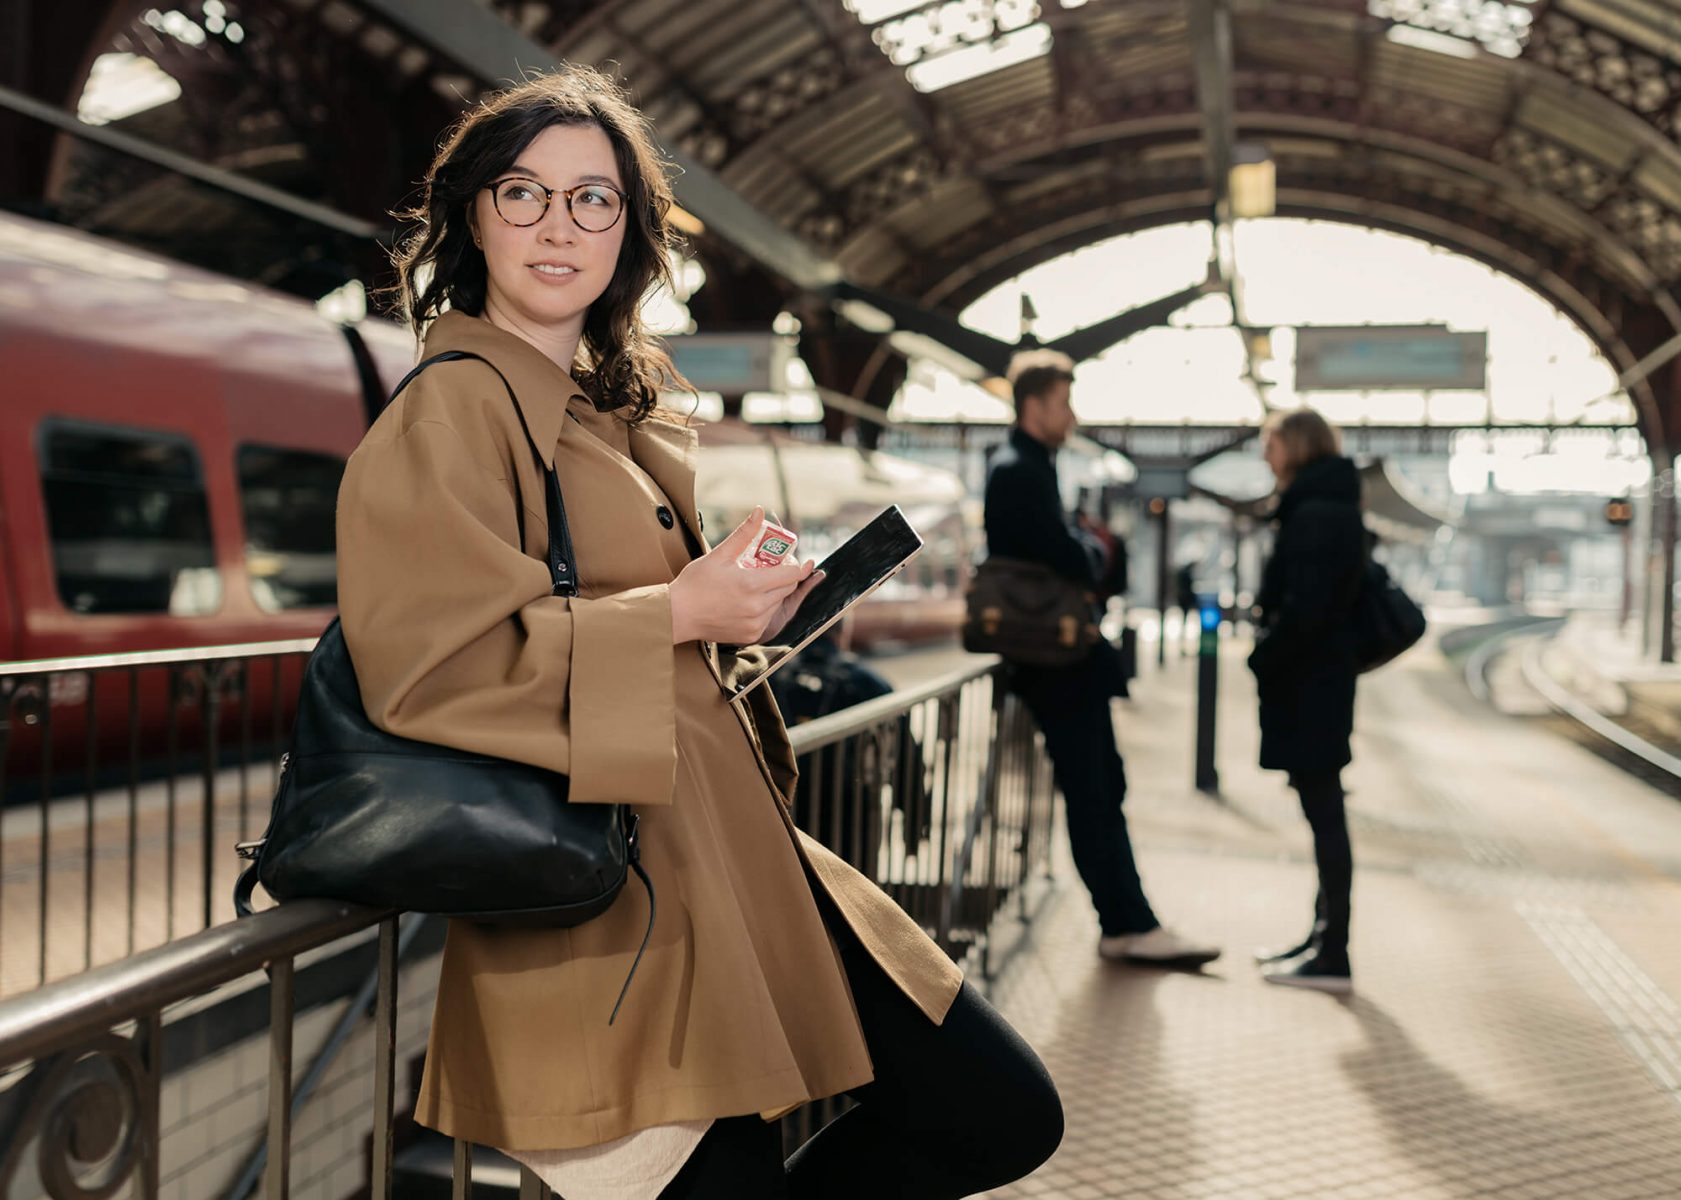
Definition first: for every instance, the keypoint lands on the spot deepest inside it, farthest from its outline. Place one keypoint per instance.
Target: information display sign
(732, 363)
(1414, 358)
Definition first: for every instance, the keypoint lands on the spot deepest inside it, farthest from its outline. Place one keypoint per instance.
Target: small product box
(775, 544)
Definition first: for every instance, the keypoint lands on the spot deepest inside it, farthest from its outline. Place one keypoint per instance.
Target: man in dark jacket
(1304, 665)
(1025, 520)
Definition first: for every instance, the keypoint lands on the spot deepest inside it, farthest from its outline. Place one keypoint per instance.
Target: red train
(171, 443)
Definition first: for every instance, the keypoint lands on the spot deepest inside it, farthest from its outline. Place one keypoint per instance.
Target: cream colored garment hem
(637, 1166)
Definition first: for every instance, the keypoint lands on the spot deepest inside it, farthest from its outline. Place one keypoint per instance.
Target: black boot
(1315, 935)
(1311, 942)
(1324, 970)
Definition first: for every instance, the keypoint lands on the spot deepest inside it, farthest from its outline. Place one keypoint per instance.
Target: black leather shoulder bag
(368, 817)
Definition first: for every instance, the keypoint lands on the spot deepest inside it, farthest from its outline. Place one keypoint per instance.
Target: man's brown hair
(1032, 372)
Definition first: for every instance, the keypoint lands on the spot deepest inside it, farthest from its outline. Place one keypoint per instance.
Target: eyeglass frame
(549, 194)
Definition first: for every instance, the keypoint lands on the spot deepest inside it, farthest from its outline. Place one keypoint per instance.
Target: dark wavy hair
(619, 361)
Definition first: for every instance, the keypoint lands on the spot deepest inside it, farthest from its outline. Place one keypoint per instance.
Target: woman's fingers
(777, 581)
(745, 534)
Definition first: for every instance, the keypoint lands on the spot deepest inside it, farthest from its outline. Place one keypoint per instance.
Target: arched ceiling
(798, 110)
(1551, 156)
(1554, 159)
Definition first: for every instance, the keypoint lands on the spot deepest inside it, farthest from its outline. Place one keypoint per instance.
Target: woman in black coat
(1304, 665)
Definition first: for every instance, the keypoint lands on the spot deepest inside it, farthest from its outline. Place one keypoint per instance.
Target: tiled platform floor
(1516, 1030)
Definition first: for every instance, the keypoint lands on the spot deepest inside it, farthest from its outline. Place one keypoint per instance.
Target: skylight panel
(971, 62)
(121, 85)
(950, 41)
(1498, 26)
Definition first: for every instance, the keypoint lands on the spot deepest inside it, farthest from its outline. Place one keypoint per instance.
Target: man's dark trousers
(1071, 706)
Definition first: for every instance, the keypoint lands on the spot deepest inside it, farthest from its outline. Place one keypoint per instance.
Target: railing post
(210, 683)
(949, 910)
(385, 1059)
(276, 1178)
(461, 1184)
(149, 1035)
(90, 756)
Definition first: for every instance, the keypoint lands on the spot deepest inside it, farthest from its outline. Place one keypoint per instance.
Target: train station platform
(1516, 1028)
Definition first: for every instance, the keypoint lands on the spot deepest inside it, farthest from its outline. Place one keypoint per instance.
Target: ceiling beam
(992, 355)
(1055, 237)
(191, 168)
(1570, 224)
(485, 44)
(1211, 52)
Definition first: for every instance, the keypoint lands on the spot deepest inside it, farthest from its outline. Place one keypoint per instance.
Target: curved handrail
(38, 1021)
(838, 726)
(156, 658)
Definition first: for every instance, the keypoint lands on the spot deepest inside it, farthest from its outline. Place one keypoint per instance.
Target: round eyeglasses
(595, 207)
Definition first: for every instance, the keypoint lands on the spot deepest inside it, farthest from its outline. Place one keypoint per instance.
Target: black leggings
(1322, 803)
(954, 1109)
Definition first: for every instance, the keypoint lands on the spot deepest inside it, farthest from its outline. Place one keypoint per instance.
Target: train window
(288, 497)
(129, 521)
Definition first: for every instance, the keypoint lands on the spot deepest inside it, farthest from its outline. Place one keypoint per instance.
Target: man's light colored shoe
(1160, 947)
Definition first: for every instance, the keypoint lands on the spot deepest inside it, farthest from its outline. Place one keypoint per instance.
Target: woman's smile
(553, 274)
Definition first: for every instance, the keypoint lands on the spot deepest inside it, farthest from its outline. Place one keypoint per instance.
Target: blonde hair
(1305, 435)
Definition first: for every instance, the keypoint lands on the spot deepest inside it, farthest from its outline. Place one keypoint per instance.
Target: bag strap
(565, 576)
(563, 569)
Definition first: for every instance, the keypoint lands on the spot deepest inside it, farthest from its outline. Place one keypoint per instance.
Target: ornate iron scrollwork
(24, 701)
(87, 1116)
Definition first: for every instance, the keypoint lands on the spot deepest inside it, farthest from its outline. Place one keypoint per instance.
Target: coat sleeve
(457, 641)
(1317, 573)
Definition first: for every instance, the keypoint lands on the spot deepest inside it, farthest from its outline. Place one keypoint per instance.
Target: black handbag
(368, 817)
(1386, 620)
(1026, 613)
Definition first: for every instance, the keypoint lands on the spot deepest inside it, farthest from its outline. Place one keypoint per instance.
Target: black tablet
(862, 564)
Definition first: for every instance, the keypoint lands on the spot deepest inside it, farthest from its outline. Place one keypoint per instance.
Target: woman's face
(546, 275)
(1277, 456)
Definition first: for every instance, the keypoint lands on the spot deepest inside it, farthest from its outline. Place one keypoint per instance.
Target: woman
(1304, 670)
(776, 973)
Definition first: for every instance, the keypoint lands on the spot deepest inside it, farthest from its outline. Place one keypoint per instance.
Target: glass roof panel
(1542, 368)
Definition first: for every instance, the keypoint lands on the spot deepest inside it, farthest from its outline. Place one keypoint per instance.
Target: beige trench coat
(741, 1005)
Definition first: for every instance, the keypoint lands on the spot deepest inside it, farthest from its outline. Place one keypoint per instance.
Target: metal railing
(122, 778)
(939, 792)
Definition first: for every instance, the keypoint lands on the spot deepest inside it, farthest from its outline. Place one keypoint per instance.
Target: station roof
(1550, 154)
(1539, 138)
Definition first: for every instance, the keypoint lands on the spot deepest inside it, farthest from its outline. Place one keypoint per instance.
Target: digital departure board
(1414, 358)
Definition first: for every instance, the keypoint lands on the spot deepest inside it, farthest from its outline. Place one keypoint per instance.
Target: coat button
(664, 514)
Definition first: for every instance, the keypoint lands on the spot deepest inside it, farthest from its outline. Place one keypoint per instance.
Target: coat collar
(1332, 478)
(541, 389)
(1031, 447)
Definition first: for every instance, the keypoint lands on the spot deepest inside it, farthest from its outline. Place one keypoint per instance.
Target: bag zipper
(250, 850)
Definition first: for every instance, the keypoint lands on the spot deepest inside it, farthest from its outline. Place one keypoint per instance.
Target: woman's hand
(795, 598)
(716, 599)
